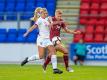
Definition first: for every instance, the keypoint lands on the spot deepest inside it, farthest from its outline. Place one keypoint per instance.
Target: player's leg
(55, 40)
(54, 59)
(47, 61)
(62, 49)
(75, 59)
(28, 59)
(82, 60)
(34, 57)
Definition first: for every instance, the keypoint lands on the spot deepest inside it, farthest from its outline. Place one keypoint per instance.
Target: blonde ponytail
(36, 14)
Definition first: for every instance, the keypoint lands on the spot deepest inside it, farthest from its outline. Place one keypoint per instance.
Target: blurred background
(88, 16)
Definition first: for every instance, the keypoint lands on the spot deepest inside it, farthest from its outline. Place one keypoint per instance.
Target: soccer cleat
(44, 68)
(70, 69)
(24, 61)
(57, 71)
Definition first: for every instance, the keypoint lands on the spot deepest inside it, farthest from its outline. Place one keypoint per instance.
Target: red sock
(48, 59)
(65, 57)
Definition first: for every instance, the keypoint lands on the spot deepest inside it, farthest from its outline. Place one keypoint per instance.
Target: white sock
(33, 57)
(42, 61)
(54, 61)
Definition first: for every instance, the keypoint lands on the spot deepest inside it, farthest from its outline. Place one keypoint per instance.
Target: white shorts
(43, 42)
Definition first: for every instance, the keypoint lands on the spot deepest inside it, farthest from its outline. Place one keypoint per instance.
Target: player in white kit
(43, 41)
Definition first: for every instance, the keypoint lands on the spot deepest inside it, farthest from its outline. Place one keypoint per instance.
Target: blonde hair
(36, 12)
(58, 11)
(43, 10)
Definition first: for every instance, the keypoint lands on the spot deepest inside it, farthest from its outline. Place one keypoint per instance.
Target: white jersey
(43, 26)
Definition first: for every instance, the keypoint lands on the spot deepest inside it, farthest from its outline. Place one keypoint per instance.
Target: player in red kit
(58, 24)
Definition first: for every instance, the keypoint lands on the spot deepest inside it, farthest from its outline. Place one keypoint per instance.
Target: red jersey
(55, 29)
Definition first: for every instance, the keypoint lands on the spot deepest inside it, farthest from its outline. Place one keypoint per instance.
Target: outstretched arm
(71, 31)
(30, 30)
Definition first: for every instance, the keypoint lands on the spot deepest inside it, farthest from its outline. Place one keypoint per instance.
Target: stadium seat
(11, 38)
(100, 22)
(3, 35)
(94, 14)
(51, 1)
(2, 1)
(11, 16)
(104, 1)
(105, 38)
(99, 38)
(28, 1)
(32, 37)
(95, 1)
(88, 37)
(21, 1)
(51, 9)
(41, 1)
(85, 6)
(1, 18)
(12, 31)
(21, 31)
(26, 16)
(20, 7)
(77, 37)
(40, 5)
(92, 22)
(3, 31)
(10, 1)
(20, 37)
(85, 1)
(84, 14)
(104, 7)
(99, 29)
(105, 30)
(103, 14)
(83, 21)
(35, 31)
(94, 6)
(12, 35)
(2, 5)
(10, 7)
(89, 29)
(30, 7)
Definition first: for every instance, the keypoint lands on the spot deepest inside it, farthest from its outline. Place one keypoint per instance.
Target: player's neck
(57, 19)
(43, 17)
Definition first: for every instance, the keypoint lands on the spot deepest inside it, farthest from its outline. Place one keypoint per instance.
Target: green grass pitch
(35, 72)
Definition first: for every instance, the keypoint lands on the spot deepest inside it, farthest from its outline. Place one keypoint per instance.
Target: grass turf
(35, 72)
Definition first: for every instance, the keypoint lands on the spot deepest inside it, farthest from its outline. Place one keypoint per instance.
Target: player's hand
(25, 34)
(78, 32)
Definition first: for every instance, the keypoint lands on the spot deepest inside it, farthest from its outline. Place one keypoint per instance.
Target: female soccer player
(57, 24)
(43, 40)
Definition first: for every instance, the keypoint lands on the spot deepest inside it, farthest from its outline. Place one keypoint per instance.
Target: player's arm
(30, 30)
(65, 29)
(71, 31)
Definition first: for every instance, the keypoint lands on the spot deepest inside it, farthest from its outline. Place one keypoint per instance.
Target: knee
(66, 54)
(40, 56)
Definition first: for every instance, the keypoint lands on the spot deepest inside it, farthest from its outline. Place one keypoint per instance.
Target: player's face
(81, 41)
(44, 14)
(58, 16)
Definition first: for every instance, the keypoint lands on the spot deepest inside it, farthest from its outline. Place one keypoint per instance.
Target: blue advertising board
(95, 51)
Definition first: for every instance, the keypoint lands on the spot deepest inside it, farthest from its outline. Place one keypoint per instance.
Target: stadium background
(15, 20)
(88, 16)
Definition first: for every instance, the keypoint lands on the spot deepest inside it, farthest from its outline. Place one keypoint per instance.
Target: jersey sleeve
(63, 25)
(38, 22)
